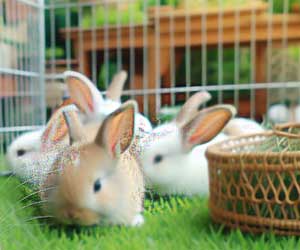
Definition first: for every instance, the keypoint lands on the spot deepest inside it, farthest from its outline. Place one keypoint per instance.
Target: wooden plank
(154, 77)
(296, 8)
(229, 35)
(61, 62)
(260, 69)
(138, 82)
(8, 86)
(211, 22)
(253, 5)
(112, 30)
(166, 76)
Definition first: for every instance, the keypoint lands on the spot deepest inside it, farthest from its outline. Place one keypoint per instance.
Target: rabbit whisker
(21, 208)
(36, 192)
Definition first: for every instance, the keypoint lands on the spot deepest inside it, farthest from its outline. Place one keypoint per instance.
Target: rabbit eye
(158, 159)
(97, 186)
(21, 152)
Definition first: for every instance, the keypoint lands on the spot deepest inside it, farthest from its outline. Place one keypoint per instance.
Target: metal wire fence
(172, 48)
(22, 105)
(244, 52)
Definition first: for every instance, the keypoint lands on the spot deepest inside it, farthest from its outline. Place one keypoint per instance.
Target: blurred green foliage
(283, 6)
(294, 53)
(106, 71)
(56, 52)
(217, 65)
(56, 19)
(109, 16)
(152, 3)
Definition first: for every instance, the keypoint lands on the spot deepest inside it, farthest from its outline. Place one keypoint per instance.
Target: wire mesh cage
(21, 68)
(243, 52)
(174, 48)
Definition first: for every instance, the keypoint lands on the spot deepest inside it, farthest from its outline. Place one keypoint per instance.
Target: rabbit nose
(71, 215)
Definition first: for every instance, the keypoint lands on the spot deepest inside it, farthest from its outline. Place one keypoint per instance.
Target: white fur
(279, 113)
(182, 172)
(138, 220)
(297, 113)
(241, 126)
(31, 143)
(179, 172)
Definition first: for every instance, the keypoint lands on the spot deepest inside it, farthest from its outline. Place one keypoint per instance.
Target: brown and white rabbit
(99, 181)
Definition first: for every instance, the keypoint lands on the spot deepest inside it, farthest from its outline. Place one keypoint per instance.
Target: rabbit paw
(138, 220)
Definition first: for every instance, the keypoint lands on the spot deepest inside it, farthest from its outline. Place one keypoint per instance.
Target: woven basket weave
(255, 181)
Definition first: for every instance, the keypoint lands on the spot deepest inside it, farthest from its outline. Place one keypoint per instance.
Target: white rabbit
(23, 147)
(297, 113)
(89, 100)
(172, 167)
(46, 141)
(240, 126)
(279, 113)
(170, 163)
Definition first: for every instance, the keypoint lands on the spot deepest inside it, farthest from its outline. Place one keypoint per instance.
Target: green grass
(171, 223)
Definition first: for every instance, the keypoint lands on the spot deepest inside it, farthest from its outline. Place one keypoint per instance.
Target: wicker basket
(255, 181)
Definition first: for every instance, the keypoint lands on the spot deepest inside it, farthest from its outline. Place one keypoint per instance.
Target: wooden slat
(212, 32)
(253, 5)
(229, 35)
(8, 86)
(61, 62)
(296, 8)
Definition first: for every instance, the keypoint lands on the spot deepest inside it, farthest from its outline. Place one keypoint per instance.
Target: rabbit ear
(56, 128)
(206, 125)
(74, 125)
(191, 107)
(116, 86)
(66, 102)
(83, 92)
(117, 130)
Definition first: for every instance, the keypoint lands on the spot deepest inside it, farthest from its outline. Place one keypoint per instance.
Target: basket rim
(216, 150)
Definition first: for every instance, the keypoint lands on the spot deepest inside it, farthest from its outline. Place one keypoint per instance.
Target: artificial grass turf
(171, 223)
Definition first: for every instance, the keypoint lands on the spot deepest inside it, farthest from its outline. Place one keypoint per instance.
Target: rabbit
(40, 142)
(97, 181)
(93, 106)
(167, 156)
(170, 163)
(172, 167)
(23, 147)
(89, 181)
(241, 126)
(280, 113)
(90, 101)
